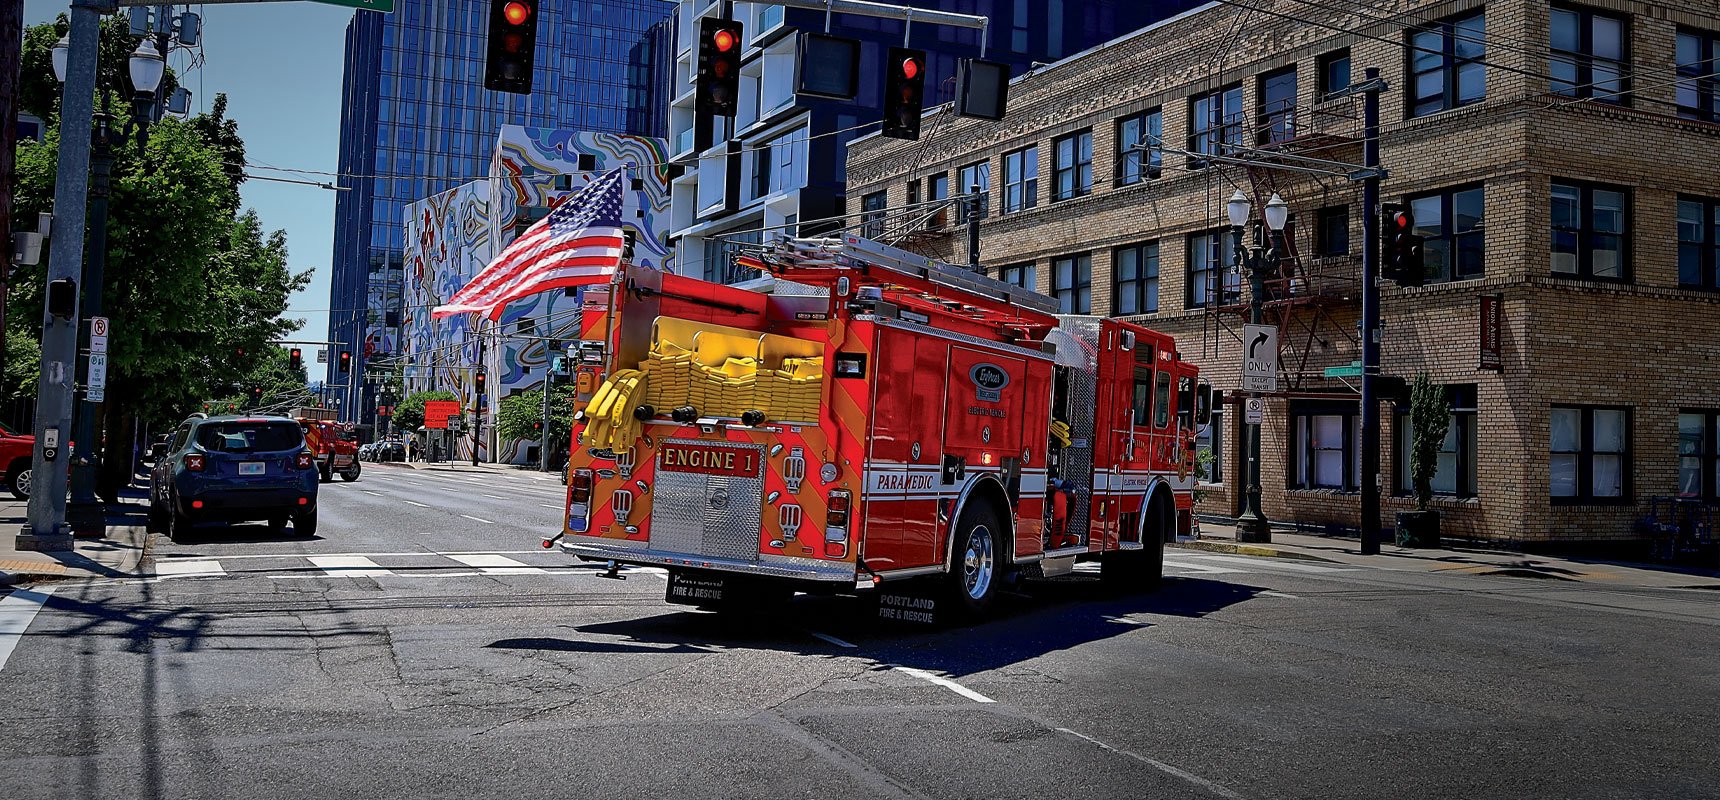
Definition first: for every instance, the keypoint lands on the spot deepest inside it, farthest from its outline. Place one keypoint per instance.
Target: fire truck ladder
(871, 263)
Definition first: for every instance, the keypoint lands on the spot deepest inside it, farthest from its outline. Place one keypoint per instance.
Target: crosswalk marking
(1274, 563)
(497, 565)
(189, 568)
(349, 566)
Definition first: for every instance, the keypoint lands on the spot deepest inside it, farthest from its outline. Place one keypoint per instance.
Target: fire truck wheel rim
(978, 563)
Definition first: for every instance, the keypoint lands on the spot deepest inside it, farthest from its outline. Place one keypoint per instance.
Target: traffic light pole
(543, 438)
(45, 528)
(86, 513)
(1370, 478)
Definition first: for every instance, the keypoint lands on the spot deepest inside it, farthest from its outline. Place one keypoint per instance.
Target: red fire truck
(335, 445)
(912, 423)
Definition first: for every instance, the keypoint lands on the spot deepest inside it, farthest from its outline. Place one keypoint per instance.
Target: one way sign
(1259, 358)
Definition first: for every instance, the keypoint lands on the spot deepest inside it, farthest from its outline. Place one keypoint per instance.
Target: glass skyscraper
(416, 120)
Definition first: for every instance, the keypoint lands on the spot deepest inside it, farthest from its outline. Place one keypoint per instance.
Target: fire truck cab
(911, 422)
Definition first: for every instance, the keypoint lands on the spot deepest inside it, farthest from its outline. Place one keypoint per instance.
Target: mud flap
(696, 588)
(909, 602)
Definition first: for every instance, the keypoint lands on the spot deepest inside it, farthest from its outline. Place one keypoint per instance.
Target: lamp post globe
(1277, 212)
(147, 67)
(1237, 209)
(62, 50)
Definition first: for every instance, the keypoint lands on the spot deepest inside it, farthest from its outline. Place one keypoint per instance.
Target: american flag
(579, 243)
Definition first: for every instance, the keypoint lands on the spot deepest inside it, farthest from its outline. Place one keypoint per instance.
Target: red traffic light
(1402, 221)
(910, 68)
(516, 13)
(725, 40)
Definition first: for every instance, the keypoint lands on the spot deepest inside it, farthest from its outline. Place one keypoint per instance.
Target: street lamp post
(1258, 261)
(85, 514)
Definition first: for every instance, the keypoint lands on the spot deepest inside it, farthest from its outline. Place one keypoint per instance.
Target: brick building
(1558, 157)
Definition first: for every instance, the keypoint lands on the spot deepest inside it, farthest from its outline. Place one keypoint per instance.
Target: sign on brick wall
(1491, 324)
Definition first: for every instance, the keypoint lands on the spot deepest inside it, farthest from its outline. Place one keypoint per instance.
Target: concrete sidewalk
(1462, 559)
(116, 556)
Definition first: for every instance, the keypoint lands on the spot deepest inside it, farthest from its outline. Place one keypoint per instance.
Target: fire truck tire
(1135, 570)
(350, 473)
(326, 474)
(976, 562)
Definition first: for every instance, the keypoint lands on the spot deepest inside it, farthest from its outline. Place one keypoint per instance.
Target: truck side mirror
(157, 451)
(1203, 404)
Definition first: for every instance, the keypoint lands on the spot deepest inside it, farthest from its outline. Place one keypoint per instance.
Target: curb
(1249, 550)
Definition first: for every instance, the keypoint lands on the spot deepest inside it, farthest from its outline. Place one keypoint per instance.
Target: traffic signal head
(63, 298)
(295, 358)
(719, 81)
(256, 394)
(904, 92)
(478, 382)
(513, 43)
(345, 362)
(1400, 247)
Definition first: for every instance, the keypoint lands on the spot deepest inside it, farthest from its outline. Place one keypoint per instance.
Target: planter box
(1418, 529)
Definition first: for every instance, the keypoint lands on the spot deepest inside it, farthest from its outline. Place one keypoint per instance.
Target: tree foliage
(1429, 422)
(519, 416)
(409, 414)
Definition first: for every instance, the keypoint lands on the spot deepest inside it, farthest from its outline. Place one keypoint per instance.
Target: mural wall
(452, 236)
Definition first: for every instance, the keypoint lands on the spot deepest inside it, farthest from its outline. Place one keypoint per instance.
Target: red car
(15, 451)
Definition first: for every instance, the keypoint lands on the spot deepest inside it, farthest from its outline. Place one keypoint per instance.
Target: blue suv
(234, 469)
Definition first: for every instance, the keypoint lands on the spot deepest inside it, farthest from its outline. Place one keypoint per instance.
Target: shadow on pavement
(1044, 617)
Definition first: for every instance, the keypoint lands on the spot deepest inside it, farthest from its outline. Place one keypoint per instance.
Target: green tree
(194, 286)
(409, 415)
(519, 417)
(1429, 422)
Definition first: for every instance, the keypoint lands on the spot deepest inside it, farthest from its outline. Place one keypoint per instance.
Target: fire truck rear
(917, 424)
(333, 443)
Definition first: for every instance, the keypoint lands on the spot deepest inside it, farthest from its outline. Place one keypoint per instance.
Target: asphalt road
(423, 646)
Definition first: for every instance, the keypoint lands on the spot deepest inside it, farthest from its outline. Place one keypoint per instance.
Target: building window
(1451, 223)
(1698, 94)
(1209, 448)
(872, 214)
(1024, 275)
(1445, 65)
(1699, 454)
(1590, 454)
(938, 188)
(1140, 155)
(1215, 123)
(1334, 232)
(1589, 231)
(1278, 106)
(1211, 282)
(1334, 72)
(1325, 454)
(1020, 180)
(1589, 50)
(972, 175)
(1455, 473)
(1073, 171)
(1698, 243)
(1072, 283)
(1137, 271)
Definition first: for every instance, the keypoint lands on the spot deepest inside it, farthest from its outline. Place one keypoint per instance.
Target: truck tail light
(194, 462)
(579, 500)
(305, 459)
(836, 524)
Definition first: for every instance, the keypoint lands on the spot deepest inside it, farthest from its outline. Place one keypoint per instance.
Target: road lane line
(944, 682)
(1159, 765)
(1270, 593)
(414, 503)
(1201, 568)
(477, 519)
(187, 568)
(16, 611)
(367, 491)
(498, 565)
(349, 566)
(547, 505)
(496, 496)
(831, 639)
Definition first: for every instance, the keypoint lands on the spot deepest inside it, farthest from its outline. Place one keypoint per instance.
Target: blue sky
(280, 66)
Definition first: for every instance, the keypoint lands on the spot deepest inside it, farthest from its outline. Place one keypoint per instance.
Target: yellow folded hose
(610, 424)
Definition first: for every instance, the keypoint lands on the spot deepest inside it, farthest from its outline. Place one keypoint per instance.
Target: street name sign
(1260, 358)
(384, 6)
(1354, 370)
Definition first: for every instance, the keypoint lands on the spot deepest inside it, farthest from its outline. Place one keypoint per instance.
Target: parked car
(367, 452)
(234, 469)
(391, 451)
(15, 452)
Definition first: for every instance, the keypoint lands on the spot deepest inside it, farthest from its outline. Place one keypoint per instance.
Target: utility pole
(11, 30)
(1370, 477)
(543, 440)
(87, 515)
(46, 526)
